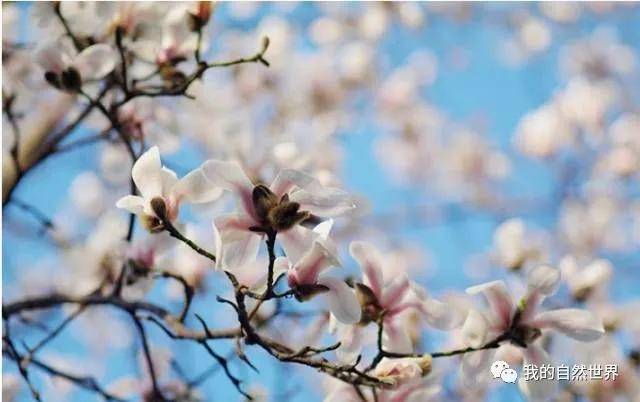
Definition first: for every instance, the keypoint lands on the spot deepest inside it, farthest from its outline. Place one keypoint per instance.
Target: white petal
(396, 339)
(50, 57)
(578, 324)
(239, 245)
(195, 188)
(395, 292)
(474, 368)
(544, 279)
(539, 390)
(147, 174)
(231, 177)
(312, 263)
(499, 301)
(440, 315)
(342, 301)
(95, 61)
(131, 203)
(370, 261)
(474, 329)
(169, 179)
(310, 194)
(217, 244)
(295, 242)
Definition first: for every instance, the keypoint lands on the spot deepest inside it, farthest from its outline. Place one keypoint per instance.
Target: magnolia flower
(292, 198)
(67, 71)
(306, 278)
(584, 281)
(383, 299)
(162, 192)
(522, 324)
(513, 245)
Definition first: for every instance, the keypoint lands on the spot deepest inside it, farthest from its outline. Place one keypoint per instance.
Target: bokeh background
(392, 101)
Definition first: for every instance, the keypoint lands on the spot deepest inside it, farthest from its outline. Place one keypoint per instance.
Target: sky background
(486, 89)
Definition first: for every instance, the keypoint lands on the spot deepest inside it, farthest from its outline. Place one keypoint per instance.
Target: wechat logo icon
(500, 369)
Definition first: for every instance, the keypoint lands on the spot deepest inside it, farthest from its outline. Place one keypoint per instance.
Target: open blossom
(292, 198)
(514, 247)
(522, 324)
(307, 278)
(161, 193)
(386, 299)
(67, 71)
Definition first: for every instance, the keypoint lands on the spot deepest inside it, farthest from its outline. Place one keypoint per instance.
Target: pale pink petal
(288, 179)
(310, 194)
(195, 188)
(499, 301)
(440, 315)
(544, 279)
(95, 61)
(341, 299)
(396, 339)
(578, 324)
(370, 260)
(295, 242)
(131, 203)
(231, 177)
(475, 329)
(312, 263)
(395, 292)
(239, 245)
(147, 174)
(169, 179)
(541, 389)
(474, 368)
(50, 57)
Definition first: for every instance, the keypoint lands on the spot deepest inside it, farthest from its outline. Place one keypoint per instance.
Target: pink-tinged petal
(310, 194)
(295, 242)
(395, 338)
(437, 314)
(195, 188)
(541, 389)
(50, 57)
(370, 261)
(95, 61)
(217, 243)
(544, 279)
(578, 324)
(474, 368)
(147, 174)
(312, 263)
(131, 203)
(341, 299)
(395, 292)
(239, 245)
(231, 177)
(325, 202)
(475, 329)
(169, 179)
(499, 301)
(288, 179)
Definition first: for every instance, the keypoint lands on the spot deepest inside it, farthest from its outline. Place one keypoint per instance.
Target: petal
(312, 263)
(342, 300)
(131, 203)
(578, 324)
(475, 329)
(195, 188)
(544, 279)
(310, 194)
(169, 179)
(475, 366)
(231, 177)
(395, 292)
(217, 244)
(541, 389)
(95, 61)
(396, 339)
(295, 242)
(239, 245)
(49, 56)
(440, 315)
(499, 301)
(147, 174)
(370, 261)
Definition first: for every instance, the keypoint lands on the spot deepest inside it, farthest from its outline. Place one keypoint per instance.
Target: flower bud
(402, 370)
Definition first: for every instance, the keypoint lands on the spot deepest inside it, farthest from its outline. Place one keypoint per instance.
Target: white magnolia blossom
(156, 182)
(66, 70)
(291, 198)
(521, 323)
